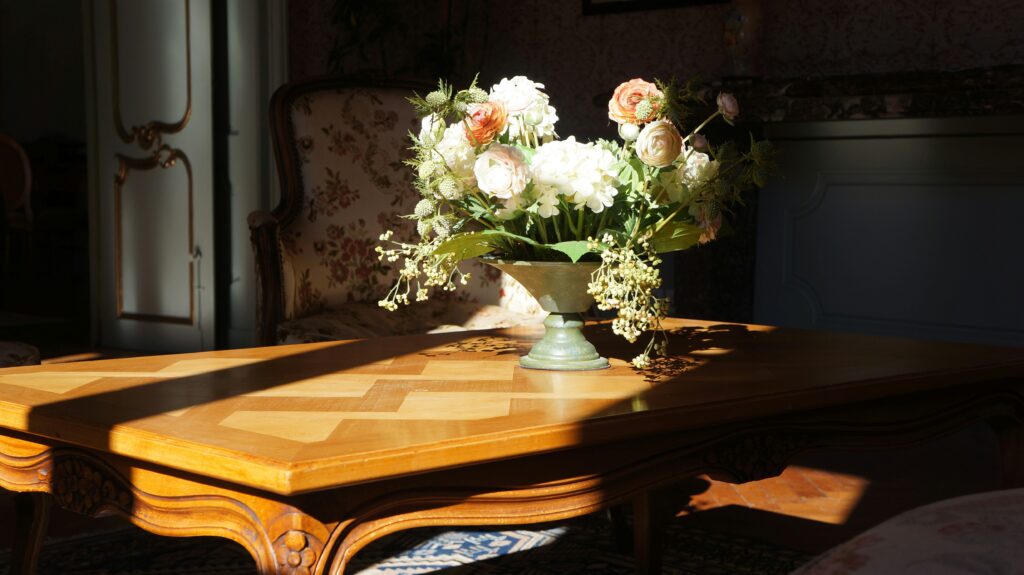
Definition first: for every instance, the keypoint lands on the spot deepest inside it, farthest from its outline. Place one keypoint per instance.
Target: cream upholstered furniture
(15, 353)
(339, 146)
(981, 533)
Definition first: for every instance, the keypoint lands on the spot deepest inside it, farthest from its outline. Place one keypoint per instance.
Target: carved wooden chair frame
(263, 225)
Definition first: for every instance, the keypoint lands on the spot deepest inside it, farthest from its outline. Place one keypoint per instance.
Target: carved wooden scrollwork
(753, 457)
(297, 552)
(83, 487)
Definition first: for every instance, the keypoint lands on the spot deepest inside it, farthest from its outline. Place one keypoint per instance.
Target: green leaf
(465, 246)
(574, 249)
(675, 236)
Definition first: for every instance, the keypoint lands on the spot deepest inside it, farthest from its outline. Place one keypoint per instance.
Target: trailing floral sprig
(495, 180)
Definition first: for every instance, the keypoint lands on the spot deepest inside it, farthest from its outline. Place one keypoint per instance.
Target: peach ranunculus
(485, 121)
(622, 106)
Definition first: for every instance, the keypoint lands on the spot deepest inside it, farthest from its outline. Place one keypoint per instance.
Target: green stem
(579, 224)
(558, 231)
(704, 123)
(665, 221)
(540, 226)
(601, 224)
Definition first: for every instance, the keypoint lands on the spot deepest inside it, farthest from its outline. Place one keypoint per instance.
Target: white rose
(501, 171)
(728, 105)
(659, 144)
(457, 153)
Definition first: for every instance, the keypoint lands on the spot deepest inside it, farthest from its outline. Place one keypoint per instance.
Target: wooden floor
(826, 498)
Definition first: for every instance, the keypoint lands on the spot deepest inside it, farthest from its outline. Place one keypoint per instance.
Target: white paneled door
(152, 154)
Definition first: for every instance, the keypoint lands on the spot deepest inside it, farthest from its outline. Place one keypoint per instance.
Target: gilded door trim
(150, 134)
(163, 158)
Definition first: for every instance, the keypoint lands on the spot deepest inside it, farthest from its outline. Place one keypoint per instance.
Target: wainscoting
(906, 227)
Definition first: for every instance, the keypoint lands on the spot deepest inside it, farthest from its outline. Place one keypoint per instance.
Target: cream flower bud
(659, 144)
(629, 132)
(728, 105)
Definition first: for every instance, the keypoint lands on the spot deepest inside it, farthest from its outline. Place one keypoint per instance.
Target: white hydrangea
(458, 153)
(581, 173)
(431, 128)
(530, 118)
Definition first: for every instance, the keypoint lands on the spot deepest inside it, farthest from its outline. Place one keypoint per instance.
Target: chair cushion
(981, 533)
(364, 320)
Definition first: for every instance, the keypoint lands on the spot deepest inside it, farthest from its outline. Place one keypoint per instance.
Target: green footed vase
(561, 290)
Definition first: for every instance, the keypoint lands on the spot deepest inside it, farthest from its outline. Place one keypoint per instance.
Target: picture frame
(596, 7)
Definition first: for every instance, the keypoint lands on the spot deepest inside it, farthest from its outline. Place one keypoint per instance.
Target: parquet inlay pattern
(307, 416)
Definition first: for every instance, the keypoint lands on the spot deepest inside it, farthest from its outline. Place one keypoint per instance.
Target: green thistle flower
(436, 99)
(443, 226)
(426, 169)
(450, 188)
(425, 208)
(644, 110)
(423, 227)
(460, 107)
(476, 95)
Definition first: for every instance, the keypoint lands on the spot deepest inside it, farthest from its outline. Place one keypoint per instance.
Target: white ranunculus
(431, 129)
(458, 153)
(629, 132)
(529, 115)
(501, 172)
(659, 144)
(698, 170)
(581, 173)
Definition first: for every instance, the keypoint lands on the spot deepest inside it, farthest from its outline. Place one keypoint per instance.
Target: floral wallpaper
(582, 58)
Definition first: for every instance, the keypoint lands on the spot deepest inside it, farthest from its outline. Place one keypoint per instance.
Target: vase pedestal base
(563, 347)
(563, 365)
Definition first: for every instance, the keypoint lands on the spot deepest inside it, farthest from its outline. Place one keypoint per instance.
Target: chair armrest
(263, 233)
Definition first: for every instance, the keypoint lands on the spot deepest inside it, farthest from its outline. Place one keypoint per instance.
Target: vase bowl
(561, 290)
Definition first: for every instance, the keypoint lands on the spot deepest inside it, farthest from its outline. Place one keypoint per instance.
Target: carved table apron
(539, 447)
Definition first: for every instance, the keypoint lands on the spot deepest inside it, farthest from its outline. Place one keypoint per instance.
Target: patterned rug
(581, 546)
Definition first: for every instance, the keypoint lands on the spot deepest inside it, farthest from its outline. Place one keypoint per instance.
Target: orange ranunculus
(622, 106)
(485, 121)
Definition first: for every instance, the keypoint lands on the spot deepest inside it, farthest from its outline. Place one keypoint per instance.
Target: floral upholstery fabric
(13, 354)
(364, 319)
(981, 533)
(351, 144)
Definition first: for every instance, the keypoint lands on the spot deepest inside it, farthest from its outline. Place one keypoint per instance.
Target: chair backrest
(340, 146)
(15, 180)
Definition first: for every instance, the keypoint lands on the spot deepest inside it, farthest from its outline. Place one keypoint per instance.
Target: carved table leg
(32, 516)
(1011, 452)
(621, 536)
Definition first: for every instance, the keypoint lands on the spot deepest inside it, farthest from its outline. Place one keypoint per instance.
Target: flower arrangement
(496, 181)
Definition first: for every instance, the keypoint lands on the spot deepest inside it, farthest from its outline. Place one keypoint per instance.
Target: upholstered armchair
(339, 146)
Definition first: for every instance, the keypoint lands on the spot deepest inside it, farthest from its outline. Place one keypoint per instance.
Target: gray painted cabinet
(901, 227)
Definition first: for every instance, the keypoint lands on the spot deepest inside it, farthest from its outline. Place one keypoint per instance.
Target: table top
(299, 418)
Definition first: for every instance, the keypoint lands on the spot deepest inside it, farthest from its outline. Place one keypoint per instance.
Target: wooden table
(304, 454)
